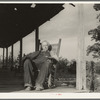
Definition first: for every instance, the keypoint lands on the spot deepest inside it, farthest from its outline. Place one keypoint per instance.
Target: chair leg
(49, 81)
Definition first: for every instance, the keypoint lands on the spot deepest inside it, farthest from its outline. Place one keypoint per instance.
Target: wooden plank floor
(9, 82)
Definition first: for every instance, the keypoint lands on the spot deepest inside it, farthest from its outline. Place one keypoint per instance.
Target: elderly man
(34, 62)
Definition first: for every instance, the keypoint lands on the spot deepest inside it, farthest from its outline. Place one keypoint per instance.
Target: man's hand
(48, 60)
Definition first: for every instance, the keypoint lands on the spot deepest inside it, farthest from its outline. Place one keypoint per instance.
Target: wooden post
(20, 59)
(3, 55)
(37, 39)
(6, 56)
(39, 44)
(12, 55)
(81, 63)
(58, 50)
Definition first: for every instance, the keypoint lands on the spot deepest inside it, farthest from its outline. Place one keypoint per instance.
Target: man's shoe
(28, 88)
(39, 88)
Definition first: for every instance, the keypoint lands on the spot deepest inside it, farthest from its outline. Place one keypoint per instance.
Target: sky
(64, 25)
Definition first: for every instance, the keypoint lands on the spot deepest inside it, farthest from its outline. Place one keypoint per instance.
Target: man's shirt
(42, 57)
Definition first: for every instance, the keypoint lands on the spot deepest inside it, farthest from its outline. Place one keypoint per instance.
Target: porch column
(3, 55)
(59, 44)
(6, 56)
(81, 63)
(37, 39)
(12, 55)
(20, 59)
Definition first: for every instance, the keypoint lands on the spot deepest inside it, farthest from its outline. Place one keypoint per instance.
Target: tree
(95, 48)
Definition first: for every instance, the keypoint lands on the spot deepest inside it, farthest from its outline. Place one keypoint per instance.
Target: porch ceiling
(18, 20)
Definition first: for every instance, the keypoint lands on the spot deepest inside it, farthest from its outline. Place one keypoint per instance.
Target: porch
(14, 84)
(9, 82)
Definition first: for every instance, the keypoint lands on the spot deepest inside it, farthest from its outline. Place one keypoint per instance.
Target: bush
(66, 68)
(93, 76)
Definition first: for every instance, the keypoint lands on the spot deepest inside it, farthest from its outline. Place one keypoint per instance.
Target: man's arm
(31, 56)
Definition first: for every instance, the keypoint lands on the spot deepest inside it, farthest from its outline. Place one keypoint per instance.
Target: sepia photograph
(50, 48)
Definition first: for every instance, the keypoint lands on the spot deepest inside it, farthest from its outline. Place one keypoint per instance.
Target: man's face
(44, 46)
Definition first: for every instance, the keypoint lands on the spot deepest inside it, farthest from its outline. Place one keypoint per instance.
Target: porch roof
(18, 20)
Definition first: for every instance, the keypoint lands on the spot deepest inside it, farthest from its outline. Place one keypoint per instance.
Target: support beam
(58, 50)
(6, 56)
(39, 45)
(12, 56)
(3, 55)
(20, 59)
(37, 39)
(81, 63)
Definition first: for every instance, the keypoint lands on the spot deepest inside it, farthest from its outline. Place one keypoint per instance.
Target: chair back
(56, 48)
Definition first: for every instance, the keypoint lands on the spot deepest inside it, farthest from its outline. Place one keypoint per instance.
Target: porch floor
(9, 82)
(20, 89)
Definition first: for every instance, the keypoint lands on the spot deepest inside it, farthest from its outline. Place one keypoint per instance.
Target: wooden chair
(52, 75)
(53, 71)
(50, 81)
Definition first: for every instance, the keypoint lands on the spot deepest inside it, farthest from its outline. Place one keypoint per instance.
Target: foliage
(66, 68)
(97, 68)
(95, 48)
(95, 34)
(96, 7)
(93, 75)
(93, 72)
